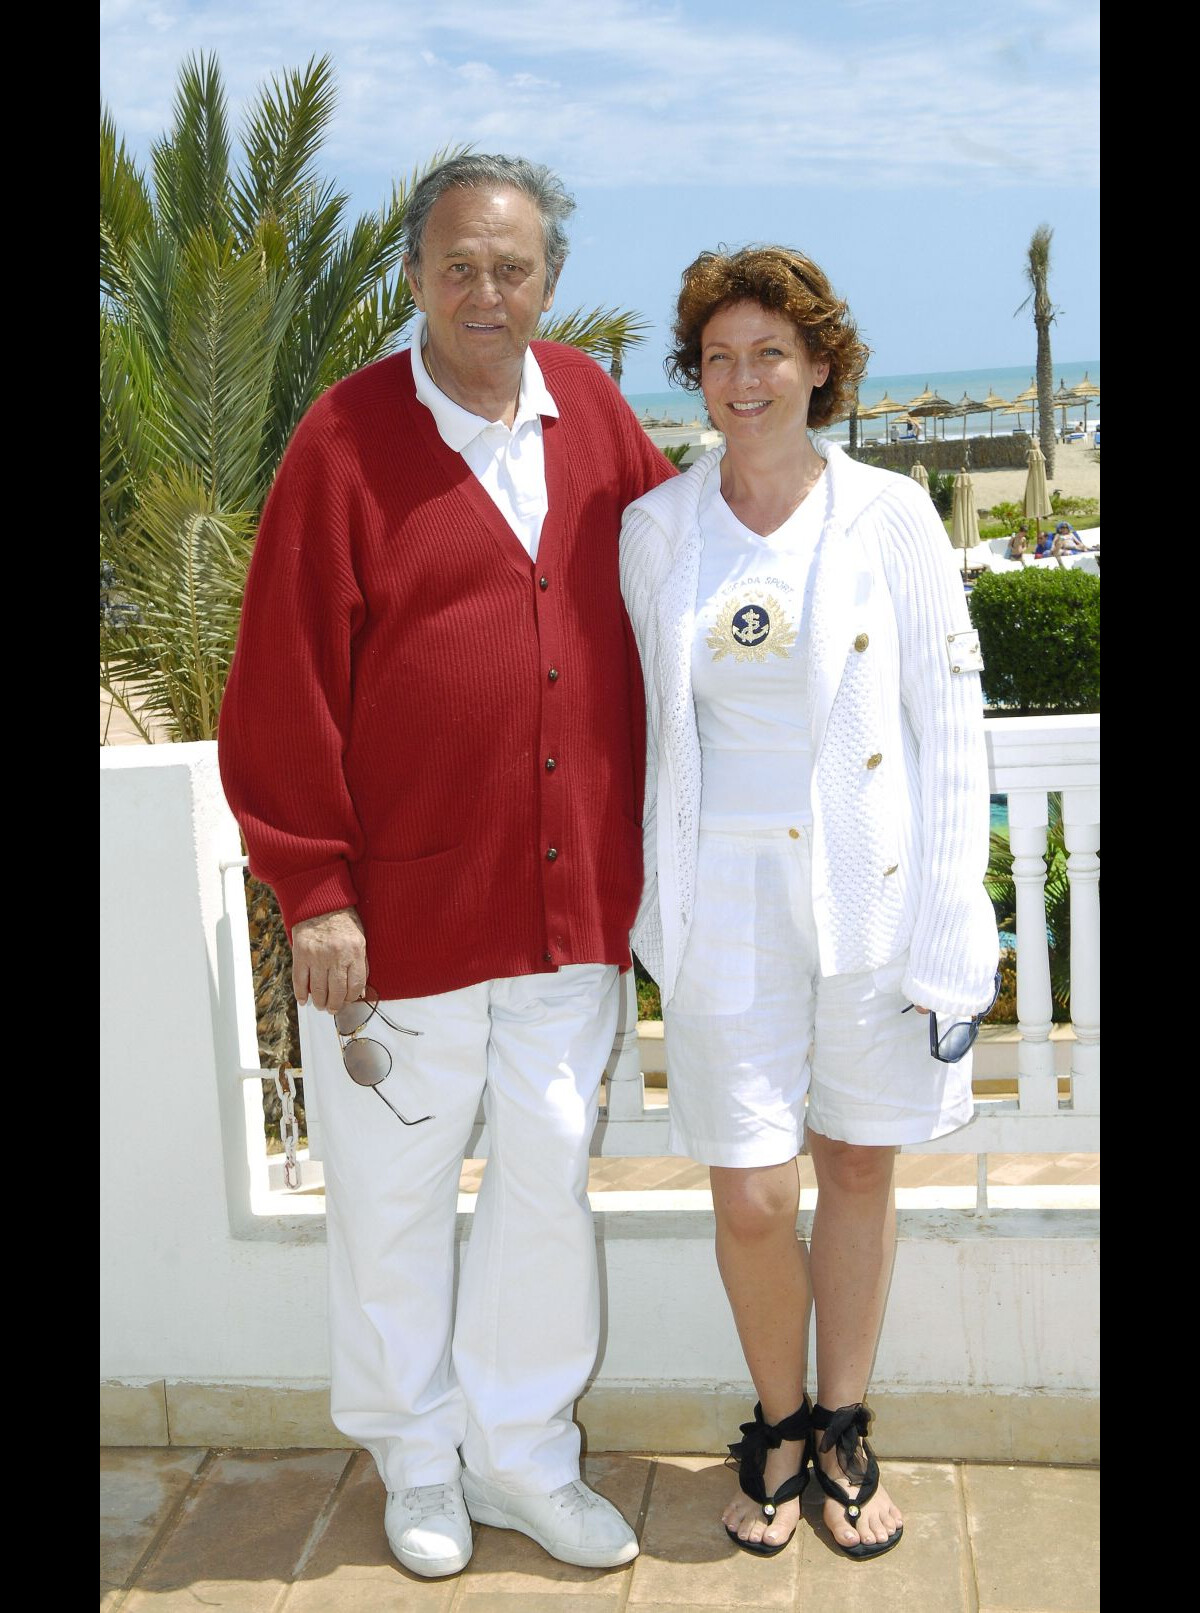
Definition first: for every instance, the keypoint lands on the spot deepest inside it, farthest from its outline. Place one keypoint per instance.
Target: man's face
(482, 282)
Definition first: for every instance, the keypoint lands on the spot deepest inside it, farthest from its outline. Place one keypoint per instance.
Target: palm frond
(130, 410)
(126, 210)
(182, 568)
(281, 136)
(601, 333)
(229, 320)
(1037, 272)
(327, 330)
(200, 151)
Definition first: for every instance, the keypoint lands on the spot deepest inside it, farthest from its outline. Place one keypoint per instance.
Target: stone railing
(950, 453)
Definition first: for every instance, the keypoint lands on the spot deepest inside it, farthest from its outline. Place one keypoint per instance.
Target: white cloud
(613, 92)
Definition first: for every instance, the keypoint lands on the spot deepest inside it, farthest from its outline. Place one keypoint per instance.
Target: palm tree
(231, 296)
(1037, 269)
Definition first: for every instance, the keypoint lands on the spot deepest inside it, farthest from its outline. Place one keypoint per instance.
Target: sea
(681, 408)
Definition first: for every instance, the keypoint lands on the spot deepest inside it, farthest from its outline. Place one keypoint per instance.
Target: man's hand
(329, 959)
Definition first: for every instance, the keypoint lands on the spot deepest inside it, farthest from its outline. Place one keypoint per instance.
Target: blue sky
(910, 146)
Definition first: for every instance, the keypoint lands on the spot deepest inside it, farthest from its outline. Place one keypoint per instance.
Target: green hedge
(1040, 636)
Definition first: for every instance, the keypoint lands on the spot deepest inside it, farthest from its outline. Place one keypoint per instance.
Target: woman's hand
(329, 959)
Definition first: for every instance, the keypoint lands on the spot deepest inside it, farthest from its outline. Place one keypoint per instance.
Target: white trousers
(413, 1379)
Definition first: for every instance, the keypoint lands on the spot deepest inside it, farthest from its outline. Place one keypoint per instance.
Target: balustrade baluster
(1027, 824)
(623, 1076)
(1081, 825)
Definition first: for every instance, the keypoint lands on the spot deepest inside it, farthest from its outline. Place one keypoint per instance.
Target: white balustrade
(1028, 758)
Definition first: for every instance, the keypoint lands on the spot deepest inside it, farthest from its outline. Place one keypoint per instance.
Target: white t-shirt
(749, 665)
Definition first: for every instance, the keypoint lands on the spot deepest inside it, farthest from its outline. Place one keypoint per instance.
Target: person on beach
(816, 838)
(1018, 543)
(433, 738)
(1066, 541)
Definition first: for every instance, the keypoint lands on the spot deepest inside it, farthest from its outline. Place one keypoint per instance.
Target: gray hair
(533, 179)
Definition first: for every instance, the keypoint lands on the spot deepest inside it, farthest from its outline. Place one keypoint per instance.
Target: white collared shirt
(509, 464)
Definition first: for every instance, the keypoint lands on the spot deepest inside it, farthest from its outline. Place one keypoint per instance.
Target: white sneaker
(572, 1523)
(428, 1529)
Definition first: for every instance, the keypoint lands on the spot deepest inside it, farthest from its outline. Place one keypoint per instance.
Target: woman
(1018, 543)
(816, 835)
(1066, 541)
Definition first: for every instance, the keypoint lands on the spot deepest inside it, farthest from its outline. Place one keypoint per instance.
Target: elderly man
(433, 738)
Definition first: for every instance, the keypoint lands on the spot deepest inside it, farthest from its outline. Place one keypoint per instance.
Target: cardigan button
(794, 833)
(552, 855)
(874, 761)
(553, 674)
(543, 583)
(861, 642)
(547, 957)
(551, 764)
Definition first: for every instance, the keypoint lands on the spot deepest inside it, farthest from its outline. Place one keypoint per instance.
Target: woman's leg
(853, 1246)
(764, 1268)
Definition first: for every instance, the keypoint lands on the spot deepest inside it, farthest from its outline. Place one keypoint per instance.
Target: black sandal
(761, 1437)
(845, 1428)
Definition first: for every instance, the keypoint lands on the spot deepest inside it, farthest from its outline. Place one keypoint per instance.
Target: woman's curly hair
(783, 280)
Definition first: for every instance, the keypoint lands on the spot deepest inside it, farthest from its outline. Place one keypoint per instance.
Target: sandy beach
(1076, 466)
(1076, 473)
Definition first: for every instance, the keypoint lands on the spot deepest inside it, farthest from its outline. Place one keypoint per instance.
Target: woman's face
(757, 374)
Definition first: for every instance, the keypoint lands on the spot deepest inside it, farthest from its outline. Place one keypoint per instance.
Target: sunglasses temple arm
(397, 1113)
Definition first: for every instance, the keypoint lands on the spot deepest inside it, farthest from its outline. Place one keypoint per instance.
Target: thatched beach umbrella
(1064, 396)
(1083, 390)
(1037, 499)
(966, 406)
(1029, 396)
(920, 474)
(934, 407)
(929, 406)
(964, 523)
(991, 403)
(885, 407)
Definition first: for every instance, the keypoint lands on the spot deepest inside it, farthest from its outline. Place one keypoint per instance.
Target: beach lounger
(993, 555)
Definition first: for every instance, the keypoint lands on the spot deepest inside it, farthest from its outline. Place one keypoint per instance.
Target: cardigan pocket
(409, 905)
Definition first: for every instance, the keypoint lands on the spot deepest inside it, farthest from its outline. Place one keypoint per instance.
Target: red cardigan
(423, 723)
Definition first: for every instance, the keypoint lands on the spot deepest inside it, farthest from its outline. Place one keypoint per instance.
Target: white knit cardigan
(900, 778)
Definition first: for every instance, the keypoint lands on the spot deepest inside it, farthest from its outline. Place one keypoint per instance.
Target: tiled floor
(302, 1532)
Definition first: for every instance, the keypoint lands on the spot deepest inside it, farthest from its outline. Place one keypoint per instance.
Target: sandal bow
(750, 1452)
(846, 1430)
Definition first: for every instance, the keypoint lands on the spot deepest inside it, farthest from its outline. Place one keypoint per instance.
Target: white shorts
(754, 1032)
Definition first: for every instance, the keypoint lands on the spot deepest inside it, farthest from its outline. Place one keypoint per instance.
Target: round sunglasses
(368, 1063)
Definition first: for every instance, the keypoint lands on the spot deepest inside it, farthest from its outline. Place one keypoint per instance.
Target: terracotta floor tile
(482, 1598)
(688, 1560)
(1035, 1535)
(925, 1572)
(351, 1568)
(238, 1541)
(138, 1489)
